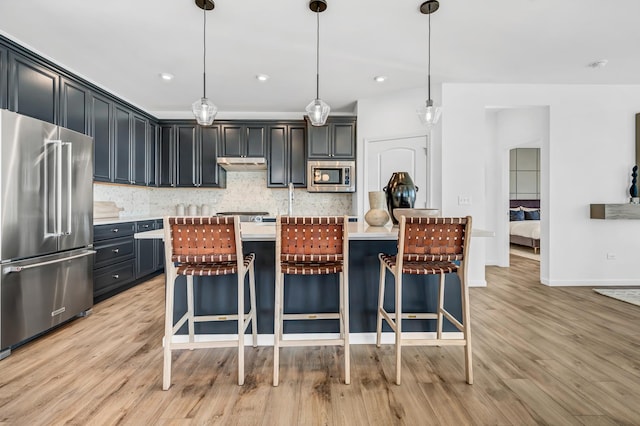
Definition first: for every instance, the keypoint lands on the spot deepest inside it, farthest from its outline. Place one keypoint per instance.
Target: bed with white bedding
(525, 232)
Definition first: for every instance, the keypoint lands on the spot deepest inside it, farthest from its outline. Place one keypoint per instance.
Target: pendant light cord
(318, 51)
(204, 50)
(429, 61)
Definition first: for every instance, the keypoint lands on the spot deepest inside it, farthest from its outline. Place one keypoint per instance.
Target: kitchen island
(319, 292)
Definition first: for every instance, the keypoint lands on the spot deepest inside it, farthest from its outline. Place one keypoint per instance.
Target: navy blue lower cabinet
(319, 293)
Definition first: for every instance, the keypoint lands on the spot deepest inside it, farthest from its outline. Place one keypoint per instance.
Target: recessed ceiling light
(262, 77)
(599, 64)
(380, 78)
(166, 76)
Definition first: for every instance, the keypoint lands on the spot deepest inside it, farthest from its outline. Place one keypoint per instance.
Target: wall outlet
(611, 256)
(464, 200)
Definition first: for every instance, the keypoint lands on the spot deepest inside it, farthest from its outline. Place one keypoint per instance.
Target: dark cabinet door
(343, 137)
(256, 140)
(100, 128)
(210, 174)
(185, 155)
(165, 160)
(318, 141)
(139, 170)
(278, 163)
(152, 150)
(232, 141)
(3, 77)
(243, 140)
(335, 140)
(34, 89)
(145, 250)
(287, 157)
(297, 155)
(122, 145)
(74, 106)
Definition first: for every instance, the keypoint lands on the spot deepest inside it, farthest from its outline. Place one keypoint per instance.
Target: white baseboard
(387, 338)
(590, 282)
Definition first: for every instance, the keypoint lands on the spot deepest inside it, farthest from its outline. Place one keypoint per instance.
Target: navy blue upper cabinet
(286, 155)
(3, 77)
(100, 127)
(152, 153)
(122, 144)
(335, 140)
(186, 155)
(243, 139)
(33, 88)
(139, 171)
(74, 106)
(209, 173)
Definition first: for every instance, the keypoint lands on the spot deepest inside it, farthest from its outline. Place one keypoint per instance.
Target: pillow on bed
(532, 215)
(516, 215)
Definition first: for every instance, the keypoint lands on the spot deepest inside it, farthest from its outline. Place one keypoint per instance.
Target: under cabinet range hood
(242, 164)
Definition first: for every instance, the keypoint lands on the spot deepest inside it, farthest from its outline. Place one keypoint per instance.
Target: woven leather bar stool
(206, 246)
(308, 246)
(428, 246)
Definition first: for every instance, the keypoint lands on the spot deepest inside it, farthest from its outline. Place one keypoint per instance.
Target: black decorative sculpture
(401, 192)
(633, 191)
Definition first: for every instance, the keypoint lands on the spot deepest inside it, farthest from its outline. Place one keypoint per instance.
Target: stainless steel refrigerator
(46, 227)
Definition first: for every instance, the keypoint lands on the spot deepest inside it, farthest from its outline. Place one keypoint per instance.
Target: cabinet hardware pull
(116, 250)
(115, 229)
(115, 276)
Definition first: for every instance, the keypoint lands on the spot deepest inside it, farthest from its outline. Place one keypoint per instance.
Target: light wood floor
(557, 356)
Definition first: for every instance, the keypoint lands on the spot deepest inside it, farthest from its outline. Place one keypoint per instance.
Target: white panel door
(409, 154)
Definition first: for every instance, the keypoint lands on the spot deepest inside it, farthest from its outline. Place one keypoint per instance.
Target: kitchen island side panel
(319, 293)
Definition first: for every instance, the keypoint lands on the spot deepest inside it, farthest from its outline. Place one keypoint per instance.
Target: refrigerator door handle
(69, 192)
(11, 269)
(57, 177)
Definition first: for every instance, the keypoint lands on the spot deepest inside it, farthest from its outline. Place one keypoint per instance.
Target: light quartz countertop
(266, 231)
(111, 220)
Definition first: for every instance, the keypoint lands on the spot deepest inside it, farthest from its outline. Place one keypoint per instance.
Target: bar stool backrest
(428, 239)
(312, 238)
(204, 239)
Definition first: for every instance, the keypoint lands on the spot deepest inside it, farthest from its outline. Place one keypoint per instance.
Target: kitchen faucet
(290, 198)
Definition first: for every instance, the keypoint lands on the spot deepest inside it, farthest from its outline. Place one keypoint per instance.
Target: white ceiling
(122, 46)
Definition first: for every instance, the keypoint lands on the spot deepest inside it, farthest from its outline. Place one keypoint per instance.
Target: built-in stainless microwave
(331, 176)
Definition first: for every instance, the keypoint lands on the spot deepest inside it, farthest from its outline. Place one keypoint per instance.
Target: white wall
(588, 159)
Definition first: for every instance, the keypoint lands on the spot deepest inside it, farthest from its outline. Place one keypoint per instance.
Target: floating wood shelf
(615, 211)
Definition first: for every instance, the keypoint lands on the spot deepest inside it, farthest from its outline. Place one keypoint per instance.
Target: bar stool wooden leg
(252, 301)
(344, 283)
(383, 272)
(398, 318)
(466, 318)
(440, 307)
(277, 324)
(241, 316)
(190, 309)
(168, 329)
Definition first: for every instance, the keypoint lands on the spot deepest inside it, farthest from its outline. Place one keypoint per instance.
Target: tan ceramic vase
(377, 214)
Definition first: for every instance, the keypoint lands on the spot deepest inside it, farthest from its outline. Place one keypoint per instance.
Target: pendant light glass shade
(318, 110)
(429, 114)
(203, 109)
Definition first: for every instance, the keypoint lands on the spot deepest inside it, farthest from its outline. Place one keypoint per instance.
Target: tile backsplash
(246, 191)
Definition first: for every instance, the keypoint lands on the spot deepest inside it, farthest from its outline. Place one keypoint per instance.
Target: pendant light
(204, 110)
(429, 114)
(318, 110)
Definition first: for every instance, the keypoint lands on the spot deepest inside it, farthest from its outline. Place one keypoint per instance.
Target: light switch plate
(464, 200)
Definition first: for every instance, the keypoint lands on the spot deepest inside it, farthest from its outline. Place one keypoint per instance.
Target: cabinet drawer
(111, 277)
(147, 225)
(113, 251)
(115, 230)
